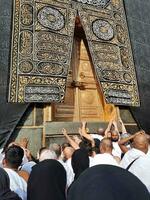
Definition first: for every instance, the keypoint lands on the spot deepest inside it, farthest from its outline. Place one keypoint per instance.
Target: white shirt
(130, 156)
(91, 161)
(17, 183)
(69, 173)
(148, 150)
(116, 150)
(28, 166)
(104, 158)
(69, 165)
(140, 168)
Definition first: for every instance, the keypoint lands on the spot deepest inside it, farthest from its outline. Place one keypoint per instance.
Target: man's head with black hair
(96, 148)
(13, 157)
(86, 144)
(64, 145)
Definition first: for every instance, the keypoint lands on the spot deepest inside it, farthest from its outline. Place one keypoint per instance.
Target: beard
(114, 140)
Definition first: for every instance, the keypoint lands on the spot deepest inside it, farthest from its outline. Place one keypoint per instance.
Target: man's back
(17, 183)
(130, 156)
(104, 158)
(140, 168)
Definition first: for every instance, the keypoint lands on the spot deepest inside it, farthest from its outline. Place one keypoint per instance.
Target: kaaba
(67, 61)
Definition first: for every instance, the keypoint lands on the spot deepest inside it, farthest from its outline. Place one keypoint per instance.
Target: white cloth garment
(69, 165)
(96, 136)
(28, 166)
(140, 168)
(148, 150)
(130, 156)
(17, 183)
(24, 159)
(69, 172)
(104, 158)
(1, 157)
(116, 150)
(91, 161)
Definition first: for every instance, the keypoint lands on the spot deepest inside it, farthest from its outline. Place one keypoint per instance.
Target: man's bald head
(140, 142)
(106, 146)
(101, 131)
(56, 148)
(68, 151)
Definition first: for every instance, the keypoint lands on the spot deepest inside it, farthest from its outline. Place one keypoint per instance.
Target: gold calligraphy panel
(107, 35)
(41, 50)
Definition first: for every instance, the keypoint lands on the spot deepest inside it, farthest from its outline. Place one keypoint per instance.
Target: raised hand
(64, 132)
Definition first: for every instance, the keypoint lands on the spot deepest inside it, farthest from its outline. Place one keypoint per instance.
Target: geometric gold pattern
(42, 40)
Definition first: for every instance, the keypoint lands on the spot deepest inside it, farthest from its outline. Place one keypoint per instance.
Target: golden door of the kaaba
(83, 100)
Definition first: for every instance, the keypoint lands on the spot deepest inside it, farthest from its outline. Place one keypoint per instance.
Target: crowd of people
(110, 164)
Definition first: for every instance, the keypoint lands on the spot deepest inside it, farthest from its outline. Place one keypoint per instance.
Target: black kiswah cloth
(106, 182)
(47, 181)
(5, 192)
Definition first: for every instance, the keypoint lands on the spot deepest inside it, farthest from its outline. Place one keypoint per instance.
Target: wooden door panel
(86, 102)
(91, 108)
(91, 114)
(65, 111)
(89, 98)
(85, 66)
(90, 103)
(84, 54)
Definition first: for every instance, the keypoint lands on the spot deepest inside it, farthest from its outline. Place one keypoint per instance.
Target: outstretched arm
(115, 126)
(123, 128)
(108, 127)
(123, 141)
(70, 140)
(86, 135)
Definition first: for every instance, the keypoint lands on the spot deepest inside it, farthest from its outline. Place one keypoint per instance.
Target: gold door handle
(77, 84)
